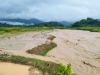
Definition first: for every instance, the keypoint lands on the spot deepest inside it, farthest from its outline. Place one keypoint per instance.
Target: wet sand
(13, 69)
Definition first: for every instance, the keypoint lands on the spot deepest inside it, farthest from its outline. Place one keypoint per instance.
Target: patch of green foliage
(42, 49)
(65, 70)
(50, 24)
(6, 31)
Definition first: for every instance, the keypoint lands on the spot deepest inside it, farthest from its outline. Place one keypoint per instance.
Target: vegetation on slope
(50, 24)
(45, 24)
(42, 49)
(89, 22)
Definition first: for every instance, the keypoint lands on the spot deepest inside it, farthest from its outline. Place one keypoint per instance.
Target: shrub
(65, 70)
(51, 37)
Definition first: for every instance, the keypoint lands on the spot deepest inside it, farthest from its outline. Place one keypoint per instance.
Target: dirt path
(80, 48)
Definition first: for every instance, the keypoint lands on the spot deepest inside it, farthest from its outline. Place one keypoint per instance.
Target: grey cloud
(50, 10)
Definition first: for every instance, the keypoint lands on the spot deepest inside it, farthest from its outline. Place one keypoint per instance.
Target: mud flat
(79, 48)
(21, 43)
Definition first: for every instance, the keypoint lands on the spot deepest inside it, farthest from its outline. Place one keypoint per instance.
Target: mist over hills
(24, 21)
(32, 21)
(36, 22)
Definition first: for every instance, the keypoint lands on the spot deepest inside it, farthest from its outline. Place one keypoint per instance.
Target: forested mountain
(49, 24)
(32, 21)
(89, 22)
(25, 21)
(45, 24)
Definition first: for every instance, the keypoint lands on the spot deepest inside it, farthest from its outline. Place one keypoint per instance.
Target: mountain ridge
(31, 21)
(26, 21)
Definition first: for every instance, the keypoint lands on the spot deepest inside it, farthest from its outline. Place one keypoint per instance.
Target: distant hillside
(4, 25)
(45, 24)
(98, 19)
(9, 25)
(25, 21)
(89, 22)
(66, 23)
(49, 24)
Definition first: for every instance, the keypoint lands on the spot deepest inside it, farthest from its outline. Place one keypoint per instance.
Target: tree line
(89, 22)
(49, 24)
(45, 24)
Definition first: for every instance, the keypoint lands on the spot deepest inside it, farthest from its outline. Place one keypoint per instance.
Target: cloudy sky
(50, 10)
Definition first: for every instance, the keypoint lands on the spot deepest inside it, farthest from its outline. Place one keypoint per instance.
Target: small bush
(51, 37)
(65, 70)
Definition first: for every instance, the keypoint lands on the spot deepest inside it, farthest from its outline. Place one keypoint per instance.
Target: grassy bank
(92, 29)
(6, 31)
(42, 49)
(46, 67)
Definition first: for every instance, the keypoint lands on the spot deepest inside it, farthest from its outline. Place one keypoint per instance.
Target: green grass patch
(6, 31)
(42, 49)
(92, 29)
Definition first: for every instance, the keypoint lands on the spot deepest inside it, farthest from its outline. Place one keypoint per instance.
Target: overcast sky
(50, 10)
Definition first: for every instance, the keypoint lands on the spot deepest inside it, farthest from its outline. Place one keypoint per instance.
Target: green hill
(89, 22)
